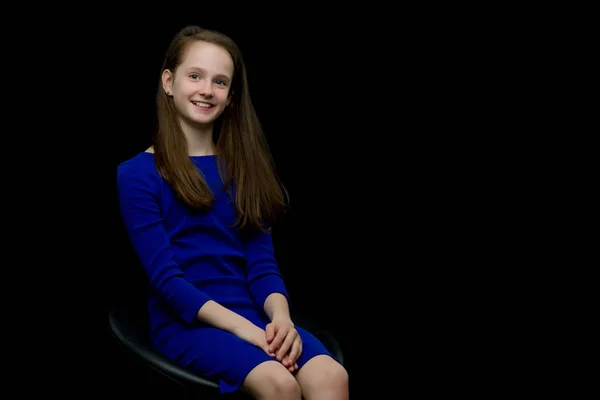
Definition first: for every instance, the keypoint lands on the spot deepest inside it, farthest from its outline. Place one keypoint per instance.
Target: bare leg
(270, 380)
(323, 378)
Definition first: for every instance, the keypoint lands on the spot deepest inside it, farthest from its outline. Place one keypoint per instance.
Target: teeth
(202, 104)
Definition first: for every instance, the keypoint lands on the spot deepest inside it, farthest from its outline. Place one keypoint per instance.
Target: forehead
(209, 57)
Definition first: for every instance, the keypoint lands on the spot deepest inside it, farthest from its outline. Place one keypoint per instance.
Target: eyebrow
(189, 69)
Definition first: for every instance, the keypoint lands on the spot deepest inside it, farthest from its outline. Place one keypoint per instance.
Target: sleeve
(263, 271)
(139, 206)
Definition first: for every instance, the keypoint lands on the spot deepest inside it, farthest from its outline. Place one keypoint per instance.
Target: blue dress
(191, 257)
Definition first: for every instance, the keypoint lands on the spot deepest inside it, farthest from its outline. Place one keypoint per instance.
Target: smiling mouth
(202, 104)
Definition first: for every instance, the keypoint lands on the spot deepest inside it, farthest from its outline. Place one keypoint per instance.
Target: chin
(204, 121)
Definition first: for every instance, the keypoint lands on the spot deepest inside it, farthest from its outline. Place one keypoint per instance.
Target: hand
(256, 336)
(285, 342)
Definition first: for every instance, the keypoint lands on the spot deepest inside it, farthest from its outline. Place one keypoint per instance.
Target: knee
(332, 376)
(335, 377)
(271, 380)
(284, 386)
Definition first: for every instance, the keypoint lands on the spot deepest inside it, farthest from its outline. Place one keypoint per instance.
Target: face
(200, 85)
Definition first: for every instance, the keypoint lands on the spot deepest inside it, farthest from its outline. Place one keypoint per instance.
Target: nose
(206, 89)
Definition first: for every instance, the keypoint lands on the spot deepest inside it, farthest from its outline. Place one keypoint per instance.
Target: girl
(197, 206)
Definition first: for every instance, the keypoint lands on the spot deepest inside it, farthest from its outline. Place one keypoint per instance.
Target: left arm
(265, 279)
(268, 289)
(277, 307)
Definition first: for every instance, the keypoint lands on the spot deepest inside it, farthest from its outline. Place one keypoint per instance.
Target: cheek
(181, 102)
(224, 95)
(223, 100)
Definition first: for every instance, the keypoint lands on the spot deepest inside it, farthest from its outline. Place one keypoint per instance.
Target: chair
(128, 326)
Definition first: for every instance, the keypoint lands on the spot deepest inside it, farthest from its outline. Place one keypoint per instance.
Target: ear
(167, 82)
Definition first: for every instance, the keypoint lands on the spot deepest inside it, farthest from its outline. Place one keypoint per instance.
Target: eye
(194, 76)
(221, 82)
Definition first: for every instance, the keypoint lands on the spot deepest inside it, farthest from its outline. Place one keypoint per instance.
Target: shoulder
(139, 169)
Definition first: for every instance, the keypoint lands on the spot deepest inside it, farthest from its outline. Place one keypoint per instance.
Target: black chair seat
(128, 325)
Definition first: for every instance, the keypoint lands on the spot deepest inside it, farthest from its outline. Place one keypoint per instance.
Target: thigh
(271, 380)
(311, 347)
(217, 354)
(323, 375)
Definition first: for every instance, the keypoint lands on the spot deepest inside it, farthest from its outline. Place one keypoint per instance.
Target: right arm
(218, 316)
(139, 205)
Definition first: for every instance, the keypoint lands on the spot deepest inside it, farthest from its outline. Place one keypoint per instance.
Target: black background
(375, 120)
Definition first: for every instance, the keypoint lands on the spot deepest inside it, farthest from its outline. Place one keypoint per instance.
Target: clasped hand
(284, 343)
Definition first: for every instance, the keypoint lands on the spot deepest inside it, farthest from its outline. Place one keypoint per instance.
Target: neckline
(192, 157)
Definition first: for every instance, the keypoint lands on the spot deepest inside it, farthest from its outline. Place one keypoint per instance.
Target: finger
(280, 335)
(299, 354)
(266, 349)
(270, 332)
(287, 343)
(294, 352)
(295, 361)
(285, 347)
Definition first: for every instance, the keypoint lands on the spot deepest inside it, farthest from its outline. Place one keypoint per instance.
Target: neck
(199, 140)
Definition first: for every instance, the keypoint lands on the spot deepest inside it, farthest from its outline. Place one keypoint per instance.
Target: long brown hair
(242, 151)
